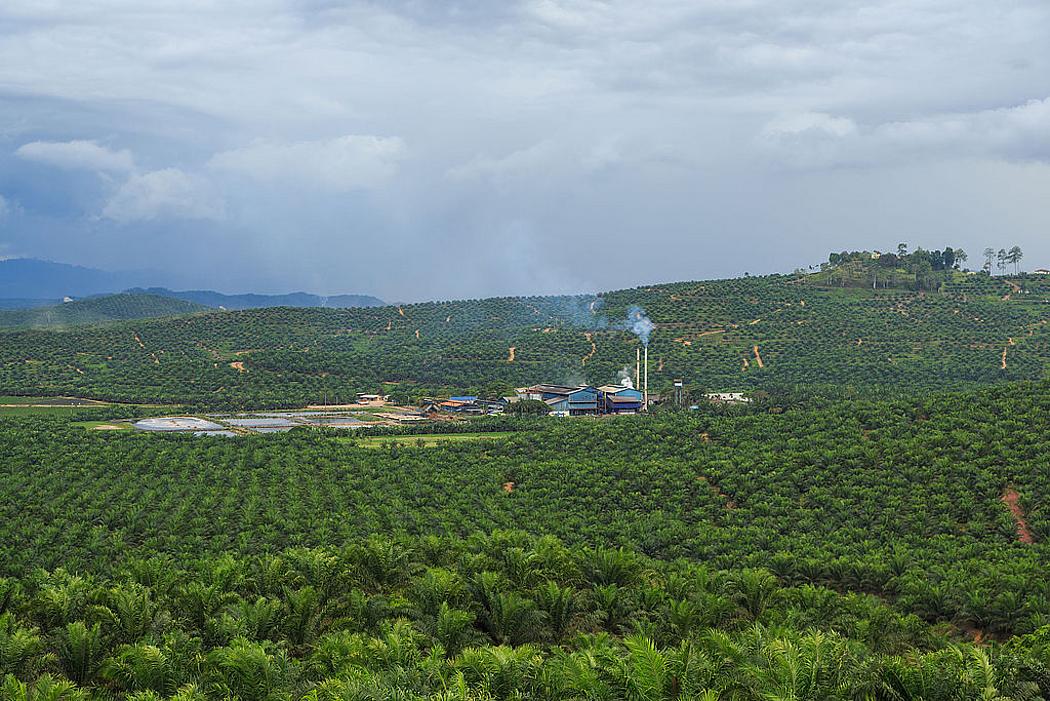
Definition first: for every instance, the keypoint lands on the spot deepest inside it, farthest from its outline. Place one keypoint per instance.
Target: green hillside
(877, 530)
(771, 333)
(94, 310)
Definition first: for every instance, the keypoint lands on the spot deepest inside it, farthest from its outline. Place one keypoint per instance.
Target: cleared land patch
(50, 401)
(429, 440)
(104, 425)
(1012, 500)
(47, 405)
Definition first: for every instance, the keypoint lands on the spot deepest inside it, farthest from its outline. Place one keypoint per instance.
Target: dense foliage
(492, 617)
(769, 333)
(902, 498)
(920, 269)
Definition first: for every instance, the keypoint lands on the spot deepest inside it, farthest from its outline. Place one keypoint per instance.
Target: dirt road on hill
(1013, 502)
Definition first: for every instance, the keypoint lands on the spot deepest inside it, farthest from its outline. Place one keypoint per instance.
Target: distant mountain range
(26, 283)
(29, 279)
(216, 300)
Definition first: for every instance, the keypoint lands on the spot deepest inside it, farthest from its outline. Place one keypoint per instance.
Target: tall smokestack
(638, 369)
(645, 392)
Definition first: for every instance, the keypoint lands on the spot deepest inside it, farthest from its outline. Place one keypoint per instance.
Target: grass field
(28, 410)
(50, 401)
(104, 425)
(58, 406)
(429, 440)
(10, 405)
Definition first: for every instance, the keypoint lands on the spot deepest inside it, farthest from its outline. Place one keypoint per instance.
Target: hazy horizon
(161, 279)
(435, 151)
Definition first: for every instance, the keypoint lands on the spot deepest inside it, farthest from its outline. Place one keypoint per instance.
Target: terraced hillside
(751, 333)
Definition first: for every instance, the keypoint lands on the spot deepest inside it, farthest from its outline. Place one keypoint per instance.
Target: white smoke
(639, 324)
(625, 378)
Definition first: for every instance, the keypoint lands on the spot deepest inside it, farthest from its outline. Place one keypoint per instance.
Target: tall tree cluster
(1003, 259)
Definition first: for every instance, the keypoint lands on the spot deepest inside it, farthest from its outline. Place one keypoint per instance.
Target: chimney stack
(645, 392)
(638, 369)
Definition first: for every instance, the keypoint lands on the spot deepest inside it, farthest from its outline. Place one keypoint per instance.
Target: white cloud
(547, 160)
(77, 155)
(807, 139)
(526, 161)
(808, 123)
(1021, 132)
(163, 193)
(5, 208)
(1018, 133)
(345, 163)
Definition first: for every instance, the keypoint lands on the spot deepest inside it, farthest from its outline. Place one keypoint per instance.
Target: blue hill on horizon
(26, 283)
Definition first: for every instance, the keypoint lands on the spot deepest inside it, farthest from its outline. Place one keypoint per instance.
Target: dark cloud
(436, 149)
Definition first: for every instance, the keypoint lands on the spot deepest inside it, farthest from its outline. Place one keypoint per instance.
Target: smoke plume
(639, 324)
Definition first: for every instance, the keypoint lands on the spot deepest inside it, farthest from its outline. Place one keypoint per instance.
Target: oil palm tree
(129, 613)
(259, 619)
(303, 614)
(141, 667)
(645, 672)
(753, 590)
(79, 649)
(250, 671)
(608, 566)
(435, 587)
(44, 688)
(454, 629)
(559, 607)
(500, 670)
(511, 619)
(22, 650)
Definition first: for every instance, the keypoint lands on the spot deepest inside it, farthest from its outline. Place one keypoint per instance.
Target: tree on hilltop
(1014, 256)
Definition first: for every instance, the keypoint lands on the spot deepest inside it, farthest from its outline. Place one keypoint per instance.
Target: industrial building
(620, 399)
(584, 400)
(464, 405)
(728, 398)
(562, 400)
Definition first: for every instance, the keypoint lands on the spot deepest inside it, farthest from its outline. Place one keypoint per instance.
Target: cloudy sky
(420, 149)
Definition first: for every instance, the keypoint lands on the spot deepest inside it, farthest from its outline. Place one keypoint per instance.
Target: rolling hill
(771, 333)
(119, 307)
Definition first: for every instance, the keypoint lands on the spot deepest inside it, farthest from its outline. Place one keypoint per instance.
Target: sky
(435, 150)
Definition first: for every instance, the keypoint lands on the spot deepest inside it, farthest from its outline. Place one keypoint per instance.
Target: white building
(728, 397)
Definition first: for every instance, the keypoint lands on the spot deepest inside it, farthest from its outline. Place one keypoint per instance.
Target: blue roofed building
(620, 399)
(581, 401)
(585, 400)
(563, 400)
(544, 392)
